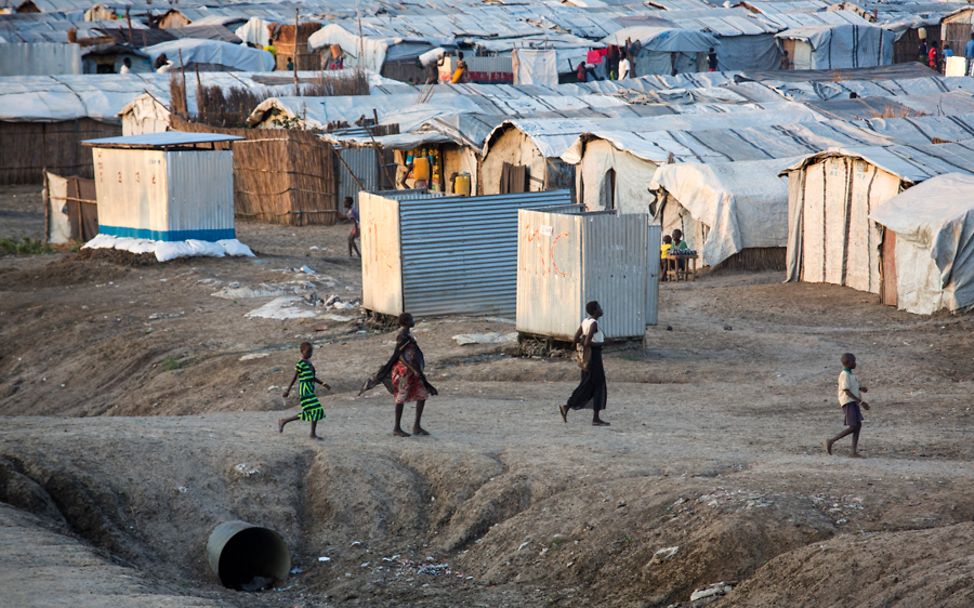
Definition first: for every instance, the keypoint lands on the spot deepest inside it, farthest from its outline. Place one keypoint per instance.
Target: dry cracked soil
(140, 400)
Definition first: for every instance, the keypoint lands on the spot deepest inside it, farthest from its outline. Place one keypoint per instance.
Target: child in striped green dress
(311, 408)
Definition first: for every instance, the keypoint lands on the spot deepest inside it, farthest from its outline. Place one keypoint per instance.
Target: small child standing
(664, 255)
(311, 408)
(850, 399)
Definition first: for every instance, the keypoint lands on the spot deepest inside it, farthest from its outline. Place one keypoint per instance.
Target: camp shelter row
(669, 36)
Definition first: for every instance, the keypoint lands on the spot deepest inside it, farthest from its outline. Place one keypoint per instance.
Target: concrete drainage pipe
(247, 557)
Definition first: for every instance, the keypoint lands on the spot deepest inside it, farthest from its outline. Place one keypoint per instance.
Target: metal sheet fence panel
(364, 163)
(616, 269)
(549, 271)
(459, 254)
(653, 240)
(132, 189)
(381, 262)
(201, 192)
(567, 258)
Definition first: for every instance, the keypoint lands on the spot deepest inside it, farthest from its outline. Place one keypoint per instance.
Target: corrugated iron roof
(160, 140)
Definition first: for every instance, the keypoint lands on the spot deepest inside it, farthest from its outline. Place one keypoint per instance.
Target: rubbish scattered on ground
(165, 315)
(252, 356)
(492, 337)
(245, 469)
(324, 558)
(664, 554)
(284, 307)
(710, 593)
(258, 583)
(234, 291)
(296, 570)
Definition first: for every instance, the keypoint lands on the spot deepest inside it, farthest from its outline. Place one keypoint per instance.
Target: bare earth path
(139, 412)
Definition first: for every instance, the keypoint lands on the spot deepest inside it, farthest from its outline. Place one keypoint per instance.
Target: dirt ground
(139, 411)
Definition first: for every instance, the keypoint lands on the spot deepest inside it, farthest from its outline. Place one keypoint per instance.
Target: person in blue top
(969, 52)
(311, 408)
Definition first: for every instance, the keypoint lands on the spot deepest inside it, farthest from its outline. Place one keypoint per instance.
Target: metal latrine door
(888, 268)
(652, 280)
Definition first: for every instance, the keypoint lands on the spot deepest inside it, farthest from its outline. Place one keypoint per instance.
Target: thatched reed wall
(279, 176)
(28, 148)
(293, 43)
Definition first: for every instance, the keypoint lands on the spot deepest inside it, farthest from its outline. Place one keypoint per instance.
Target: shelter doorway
(514, 178)
(888, 277)
(607, 196)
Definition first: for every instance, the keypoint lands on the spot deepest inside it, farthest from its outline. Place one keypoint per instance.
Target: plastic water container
(461, 185)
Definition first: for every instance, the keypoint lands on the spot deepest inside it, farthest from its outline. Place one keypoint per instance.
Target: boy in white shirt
(850, 398)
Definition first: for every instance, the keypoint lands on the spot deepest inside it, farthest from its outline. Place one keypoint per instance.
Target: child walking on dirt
(311, 408)
(850, 399)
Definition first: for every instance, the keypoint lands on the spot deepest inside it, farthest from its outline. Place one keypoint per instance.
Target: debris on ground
(491, 337)
(711, 593)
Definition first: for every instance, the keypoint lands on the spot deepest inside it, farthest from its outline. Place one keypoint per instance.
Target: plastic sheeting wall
(933, 224)
(843, 46)
(39, 58)
(632, 177)
(758, 52)
(145, 115)
(514, 147)
(534, 66)
(566, 258)
(165, 195)
(443, 255)
(830, 236)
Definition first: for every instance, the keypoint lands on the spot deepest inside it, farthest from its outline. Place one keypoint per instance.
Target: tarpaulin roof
(912, 164)
(102, 96)
(934, 251)
(665, 40)
(745, 204)
(733, 144)
(212, 52)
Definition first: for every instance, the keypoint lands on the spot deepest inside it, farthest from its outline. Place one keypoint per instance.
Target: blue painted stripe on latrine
(207, 234)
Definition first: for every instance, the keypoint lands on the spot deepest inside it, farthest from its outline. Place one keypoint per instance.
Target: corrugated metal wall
(549, 271)
(165, 195)
(459, 254)
(616, 270)
(381, 263)
(201, 193)
(364, 163)
(567, 258)
(653, 241)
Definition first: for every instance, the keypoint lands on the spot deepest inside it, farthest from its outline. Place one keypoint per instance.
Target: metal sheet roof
(160, 140)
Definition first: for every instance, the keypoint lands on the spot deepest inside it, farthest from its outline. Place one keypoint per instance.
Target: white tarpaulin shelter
(235, 57)
(724, 208)
(535, 66)
(933, 246)
(665, 50)
(840, 46)
(25, 58)
(832, 194)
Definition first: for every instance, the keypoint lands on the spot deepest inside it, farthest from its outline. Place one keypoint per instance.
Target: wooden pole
(294, 53)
